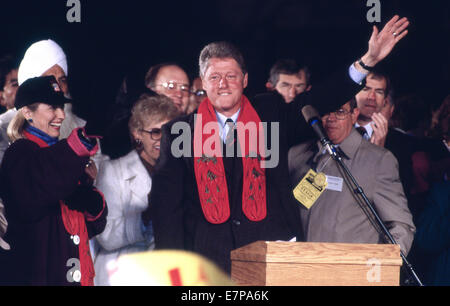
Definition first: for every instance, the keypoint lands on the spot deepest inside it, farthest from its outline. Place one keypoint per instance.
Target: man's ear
(308, 88)
(269, 86)
(245, 81)
(391, 110)
(355, 115)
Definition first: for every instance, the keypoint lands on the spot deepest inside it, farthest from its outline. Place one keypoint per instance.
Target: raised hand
(382, 43)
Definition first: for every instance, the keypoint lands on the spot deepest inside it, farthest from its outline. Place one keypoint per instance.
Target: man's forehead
(293, 78)
(12, 75)
(55, 70)
(172, 73)
(376, 82)
(226, 63)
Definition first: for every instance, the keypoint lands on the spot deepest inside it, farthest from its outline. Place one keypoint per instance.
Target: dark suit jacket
(402, 146)
(178, 219)
(336, 216)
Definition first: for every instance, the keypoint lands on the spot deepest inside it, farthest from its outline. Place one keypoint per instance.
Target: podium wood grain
(311, 263)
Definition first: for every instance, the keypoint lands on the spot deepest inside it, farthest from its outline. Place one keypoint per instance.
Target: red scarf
(210, 172)
(74, 223)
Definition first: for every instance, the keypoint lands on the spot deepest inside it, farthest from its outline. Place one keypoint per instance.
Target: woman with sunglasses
(126, 183)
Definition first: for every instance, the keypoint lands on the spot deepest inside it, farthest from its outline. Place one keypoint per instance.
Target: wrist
(369, 60)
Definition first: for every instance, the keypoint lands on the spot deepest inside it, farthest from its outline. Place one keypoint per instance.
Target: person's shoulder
(23, 143)
(174, 127)
(373, 149)
(187, 118)
(21, 148)
(377, 153)
(298, 151)
(440, 189)
(397, 138)
(269, 98)
(125, 161)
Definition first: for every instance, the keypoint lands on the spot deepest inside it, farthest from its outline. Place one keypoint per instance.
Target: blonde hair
(18, 123)
(151, 109)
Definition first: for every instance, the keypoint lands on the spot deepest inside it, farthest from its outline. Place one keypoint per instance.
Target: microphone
(313, 119)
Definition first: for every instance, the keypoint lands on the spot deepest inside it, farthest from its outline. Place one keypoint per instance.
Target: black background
(116, 38)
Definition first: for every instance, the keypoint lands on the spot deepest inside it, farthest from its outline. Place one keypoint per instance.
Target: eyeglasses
(155, 134)
(173, 85)
(199, 92)
(340, 114)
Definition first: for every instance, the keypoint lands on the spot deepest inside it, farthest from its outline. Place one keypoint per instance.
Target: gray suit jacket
(336, 216)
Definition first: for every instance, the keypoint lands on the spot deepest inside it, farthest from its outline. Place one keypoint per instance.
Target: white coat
(125, 184)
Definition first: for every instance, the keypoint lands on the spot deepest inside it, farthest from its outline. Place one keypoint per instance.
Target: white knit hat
(40, 57)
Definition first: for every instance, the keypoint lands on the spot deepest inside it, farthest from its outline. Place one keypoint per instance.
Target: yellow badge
(310, 188)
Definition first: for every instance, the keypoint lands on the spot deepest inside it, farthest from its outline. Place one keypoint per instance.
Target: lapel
(351, 144)
(136, 177)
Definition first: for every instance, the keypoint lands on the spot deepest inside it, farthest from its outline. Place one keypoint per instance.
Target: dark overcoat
(178, 219)
(33, 180)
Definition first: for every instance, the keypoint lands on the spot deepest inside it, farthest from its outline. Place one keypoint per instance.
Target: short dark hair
(381, 75)
(7, 64)
(153, 71)
(287, 66)
(220, 49)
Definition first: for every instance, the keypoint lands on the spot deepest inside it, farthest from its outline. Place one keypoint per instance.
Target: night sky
(118, 38)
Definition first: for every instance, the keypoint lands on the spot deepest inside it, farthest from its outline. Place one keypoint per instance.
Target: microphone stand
(359, 191)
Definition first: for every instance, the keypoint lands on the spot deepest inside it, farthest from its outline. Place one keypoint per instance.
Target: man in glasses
(197, 94)
(289, 79)
(337, 215)
(170, 80)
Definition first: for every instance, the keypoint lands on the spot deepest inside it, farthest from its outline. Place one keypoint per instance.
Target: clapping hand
(380, 129)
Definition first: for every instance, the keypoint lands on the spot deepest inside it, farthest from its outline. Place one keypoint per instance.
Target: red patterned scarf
(74, 223)
(209, 168)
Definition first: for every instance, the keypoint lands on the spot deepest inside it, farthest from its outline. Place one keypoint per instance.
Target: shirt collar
(351, 144)
(221, 118)
(368, 128)
(347, 148)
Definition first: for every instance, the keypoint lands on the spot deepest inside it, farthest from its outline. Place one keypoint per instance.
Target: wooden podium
(265, 263)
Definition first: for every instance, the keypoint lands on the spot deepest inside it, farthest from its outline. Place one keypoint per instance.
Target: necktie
(363, 132)
(229, 130)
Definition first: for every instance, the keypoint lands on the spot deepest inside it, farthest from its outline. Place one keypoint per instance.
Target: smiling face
(150, 141)
(46, 118)
(172, 82)
(224, 83)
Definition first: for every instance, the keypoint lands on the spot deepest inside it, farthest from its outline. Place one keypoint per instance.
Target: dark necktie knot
(361, 130)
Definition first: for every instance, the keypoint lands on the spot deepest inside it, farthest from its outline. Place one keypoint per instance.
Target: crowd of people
(73, 203)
